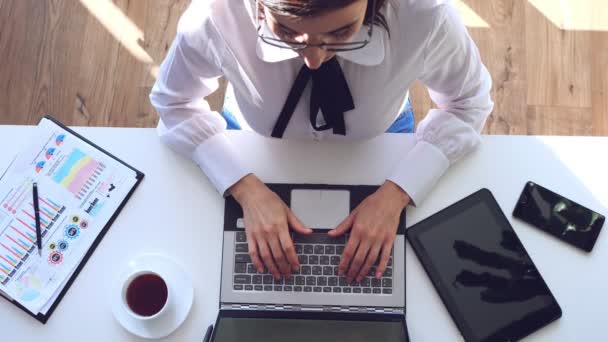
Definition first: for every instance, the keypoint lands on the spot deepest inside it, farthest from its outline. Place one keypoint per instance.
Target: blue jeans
(403, 124)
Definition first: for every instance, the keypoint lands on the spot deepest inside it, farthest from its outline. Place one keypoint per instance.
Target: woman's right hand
(267, 222)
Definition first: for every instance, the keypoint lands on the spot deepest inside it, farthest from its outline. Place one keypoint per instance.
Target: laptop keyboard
(319, 257)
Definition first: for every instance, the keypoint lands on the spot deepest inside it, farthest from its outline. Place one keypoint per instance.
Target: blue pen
(37, 216)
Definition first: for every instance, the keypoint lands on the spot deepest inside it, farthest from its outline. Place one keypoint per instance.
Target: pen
(37, 216)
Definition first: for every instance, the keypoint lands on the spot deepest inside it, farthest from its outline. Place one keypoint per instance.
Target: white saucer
(181, 293)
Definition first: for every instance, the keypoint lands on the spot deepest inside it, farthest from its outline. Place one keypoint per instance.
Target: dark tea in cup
(147, 294)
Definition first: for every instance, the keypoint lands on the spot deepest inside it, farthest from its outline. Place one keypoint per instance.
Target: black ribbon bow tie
(330, 93)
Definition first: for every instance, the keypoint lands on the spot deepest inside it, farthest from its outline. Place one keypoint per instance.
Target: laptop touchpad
(321, 209)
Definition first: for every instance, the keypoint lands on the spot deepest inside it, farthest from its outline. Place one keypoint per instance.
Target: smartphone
(559, 216)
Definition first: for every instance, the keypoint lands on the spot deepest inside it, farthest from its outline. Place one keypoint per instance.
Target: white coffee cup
(135, 276)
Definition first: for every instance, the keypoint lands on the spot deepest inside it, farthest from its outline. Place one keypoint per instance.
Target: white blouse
(428, 42)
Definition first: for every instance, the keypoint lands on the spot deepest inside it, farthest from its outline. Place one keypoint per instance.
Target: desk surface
(176, 211)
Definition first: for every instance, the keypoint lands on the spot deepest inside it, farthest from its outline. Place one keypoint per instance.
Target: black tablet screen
(484, 269)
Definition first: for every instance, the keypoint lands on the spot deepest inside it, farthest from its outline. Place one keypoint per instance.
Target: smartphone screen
(559, 216)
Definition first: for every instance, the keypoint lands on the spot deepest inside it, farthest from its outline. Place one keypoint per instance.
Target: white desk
(177, 212)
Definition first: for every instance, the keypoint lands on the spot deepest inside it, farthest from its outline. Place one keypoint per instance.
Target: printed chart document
(80, 189)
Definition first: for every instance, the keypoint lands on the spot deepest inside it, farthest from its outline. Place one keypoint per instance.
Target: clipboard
(43, 318)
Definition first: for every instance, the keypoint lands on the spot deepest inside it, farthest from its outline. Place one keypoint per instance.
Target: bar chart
(18, 229)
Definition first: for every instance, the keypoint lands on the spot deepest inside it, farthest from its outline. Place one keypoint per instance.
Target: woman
(360, 56)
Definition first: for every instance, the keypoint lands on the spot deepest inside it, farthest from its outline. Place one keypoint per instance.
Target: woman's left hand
(373, 226)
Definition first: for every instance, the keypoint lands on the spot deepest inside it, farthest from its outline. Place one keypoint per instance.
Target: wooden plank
(599, 83)
(558, 62)
(43, 100)
(97, 68)
(502, 50)
(129, 107)
(19, 53)
(560, 120)
(63, 35)
(38, 64)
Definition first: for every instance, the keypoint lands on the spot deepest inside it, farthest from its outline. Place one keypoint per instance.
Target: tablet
(482, 272)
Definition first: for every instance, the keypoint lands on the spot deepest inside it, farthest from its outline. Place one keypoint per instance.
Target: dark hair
(309, 8)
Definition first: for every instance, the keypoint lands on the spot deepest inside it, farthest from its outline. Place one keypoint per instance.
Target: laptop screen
(242, 329)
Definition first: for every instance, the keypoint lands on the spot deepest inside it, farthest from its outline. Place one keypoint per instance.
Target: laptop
(314, 303)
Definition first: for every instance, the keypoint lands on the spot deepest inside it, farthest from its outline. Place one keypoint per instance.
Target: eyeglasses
(297, 46)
